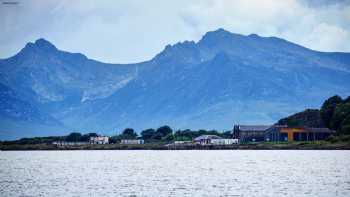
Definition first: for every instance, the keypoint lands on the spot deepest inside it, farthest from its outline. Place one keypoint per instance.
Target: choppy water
(175, 173)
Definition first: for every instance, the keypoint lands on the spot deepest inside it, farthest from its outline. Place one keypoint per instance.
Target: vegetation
(335, 112)
(339, 138)
(72, 137)
(78, 137)
(35, 140)
(162, 135)
(127, 134)
(328, 107)
(165, 134)
(309, 118)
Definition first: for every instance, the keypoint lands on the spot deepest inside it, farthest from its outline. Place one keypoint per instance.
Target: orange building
(285, 133)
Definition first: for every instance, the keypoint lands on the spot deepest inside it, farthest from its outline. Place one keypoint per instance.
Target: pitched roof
(206, 137)
(253, 127)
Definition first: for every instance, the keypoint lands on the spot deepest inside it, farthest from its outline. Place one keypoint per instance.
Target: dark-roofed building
(285, 133)
(250, 133)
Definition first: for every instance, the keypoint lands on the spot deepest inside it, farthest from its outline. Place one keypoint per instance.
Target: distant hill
(222, 79)
(308, 118)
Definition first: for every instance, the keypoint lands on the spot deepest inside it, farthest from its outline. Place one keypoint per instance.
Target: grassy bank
(315, 145)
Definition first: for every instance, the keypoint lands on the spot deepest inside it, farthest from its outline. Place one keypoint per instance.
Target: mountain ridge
(222, 79)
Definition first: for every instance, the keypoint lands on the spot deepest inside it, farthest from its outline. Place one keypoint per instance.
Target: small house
(224, 141)
(134, 141)
(99, 140)
(65, 143)
(205, 139)
(182, 142)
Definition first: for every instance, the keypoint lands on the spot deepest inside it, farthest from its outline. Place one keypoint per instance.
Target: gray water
(175, 173)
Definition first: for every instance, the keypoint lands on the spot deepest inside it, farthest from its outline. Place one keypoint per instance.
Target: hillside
(308, 118)
(222, 79)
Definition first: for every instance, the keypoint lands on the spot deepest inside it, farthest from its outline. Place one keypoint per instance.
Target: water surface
(175, 173)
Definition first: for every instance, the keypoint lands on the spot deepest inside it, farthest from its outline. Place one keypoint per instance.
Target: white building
(205, 139)
(183, 142)
(224, 141)
(132, 142)
(99, 140)
(214, 140)
(64, 143)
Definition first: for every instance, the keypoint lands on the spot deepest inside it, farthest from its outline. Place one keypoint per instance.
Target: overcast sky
(126, 31)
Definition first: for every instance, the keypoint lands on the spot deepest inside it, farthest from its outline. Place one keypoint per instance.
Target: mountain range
(222, 79)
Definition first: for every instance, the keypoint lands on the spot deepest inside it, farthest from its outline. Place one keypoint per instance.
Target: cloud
(131, 31)
(324, 3)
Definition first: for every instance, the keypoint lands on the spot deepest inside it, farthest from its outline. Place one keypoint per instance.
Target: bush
(345, 126)
(340, 114)
(338, 138)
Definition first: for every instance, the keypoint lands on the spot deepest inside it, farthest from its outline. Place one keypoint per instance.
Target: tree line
(166, 134)
(160, 135)
(335, 113)
(72, 137)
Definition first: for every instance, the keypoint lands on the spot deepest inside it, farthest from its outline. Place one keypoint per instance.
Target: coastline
(319, 145)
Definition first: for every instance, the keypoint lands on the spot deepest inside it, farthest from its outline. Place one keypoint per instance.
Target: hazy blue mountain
(56, 82)
(17, 115)
(222, 79)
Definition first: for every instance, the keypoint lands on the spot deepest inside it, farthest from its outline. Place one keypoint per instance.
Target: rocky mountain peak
(40, 45)
(44, 44)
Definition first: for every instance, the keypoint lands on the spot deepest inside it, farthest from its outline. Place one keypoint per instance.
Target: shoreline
(320, 145)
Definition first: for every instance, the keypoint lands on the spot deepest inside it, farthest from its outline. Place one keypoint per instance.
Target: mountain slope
(47, 74)
(222, 79)
(55, 81)
(22, 115)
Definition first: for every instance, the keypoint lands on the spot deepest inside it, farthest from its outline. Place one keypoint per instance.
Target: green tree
(328, 108)
(148, 134)
(163, 131)
(345, 126)
(128, 133)
(168, 138)
(227, 134)
(339, 115)
(294, 123)
(74, 137)
(86, 137)
(347, 100)
(184, 135)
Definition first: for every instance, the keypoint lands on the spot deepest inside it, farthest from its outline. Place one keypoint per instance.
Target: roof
(309, 129)
(253, 127)
(131, 139)
(320, 130)
(206, 137)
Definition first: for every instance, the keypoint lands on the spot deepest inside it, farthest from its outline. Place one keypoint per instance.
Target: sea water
(175, 173)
